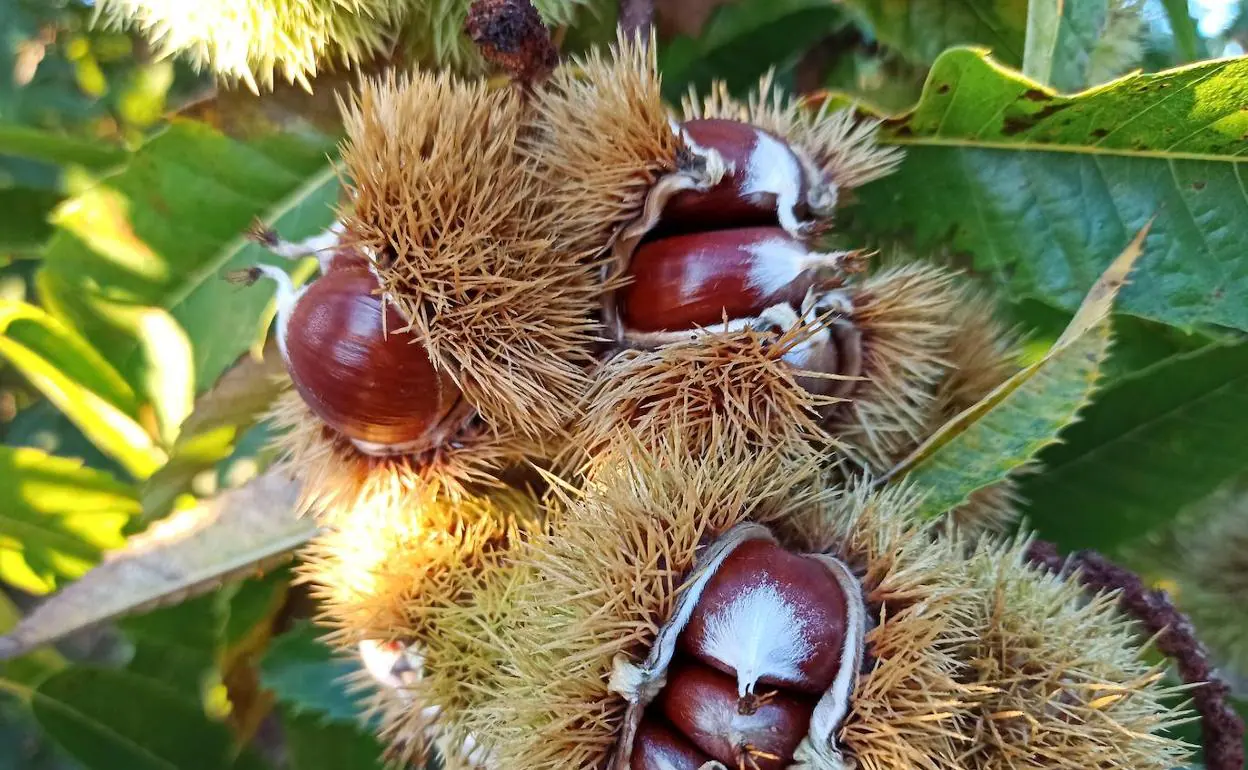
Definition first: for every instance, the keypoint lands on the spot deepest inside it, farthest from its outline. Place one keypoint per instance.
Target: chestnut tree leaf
(313, 744)
(1061, 40)
(184, 555)
(110, 718)
(743, 40)
(921, 29)
(309, 677)
(1152, 443)
(1039, 191)
(1002, 432)
(209, 435)
(57, 517)
(157, 238)
(67, 370)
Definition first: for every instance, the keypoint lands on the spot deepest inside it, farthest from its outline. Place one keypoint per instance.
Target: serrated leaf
(183, 555)
(109, 719)
(208, 435)
(1061, 38)
(1005, 430)
(1041, 190)
(743, 40)
(159, 235)
(56, 517)
(921, 29)
(177, 645)
(307, 676)
(314, 745)
(74, 377)
(1151, 444)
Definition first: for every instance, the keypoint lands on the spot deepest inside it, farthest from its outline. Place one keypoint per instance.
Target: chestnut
(356, 369)
(760, 731)
(770, 617)
(687, 281)
(658, 747)
(765, 184)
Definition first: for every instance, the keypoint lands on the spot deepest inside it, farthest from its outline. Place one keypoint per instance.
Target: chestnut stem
(1222, 729)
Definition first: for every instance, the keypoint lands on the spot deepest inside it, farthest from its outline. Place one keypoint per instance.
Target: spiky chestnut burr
(355, 367)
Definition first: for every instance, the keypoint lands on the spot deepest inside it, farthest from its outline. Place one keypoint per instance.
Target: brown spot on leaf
(1198, 185)
(944, 88)
(1035, 95)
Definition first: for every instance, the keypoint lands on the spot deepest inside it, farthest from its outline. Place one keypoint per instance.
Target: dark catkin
(1222, 729)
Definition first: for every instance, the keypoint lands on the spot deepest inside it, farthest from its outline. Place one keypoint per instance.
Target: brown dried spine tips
(771, 617)
(659, 747)
(694, 280)
(354, 368)
(703, 704)
(765, 182)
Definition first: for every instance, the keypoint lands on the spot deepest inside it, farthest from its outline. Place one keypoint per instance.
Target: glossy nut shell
(686, 281)
(770, 617)
(658, 747)
(760, 732)
(766, 179)
(377, 388)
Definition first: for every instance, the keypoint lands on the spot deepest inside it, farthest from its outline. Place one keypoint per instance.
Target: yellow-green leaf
(1006, 429)
(56, 517)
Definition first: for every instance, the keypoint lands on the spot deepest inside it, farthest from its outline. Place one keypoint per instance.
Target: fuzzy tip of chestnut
(512, 36)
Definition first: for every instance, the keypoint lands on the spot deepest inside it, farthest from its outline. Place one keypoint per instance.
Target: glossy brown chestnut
(761, 731)
(686, 281)
(357, 372)
(769, 617)
(658, 747)
(766, 184)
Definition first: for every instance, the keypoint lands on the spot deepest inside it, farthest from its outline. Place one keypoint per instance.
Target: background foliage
(131, 375)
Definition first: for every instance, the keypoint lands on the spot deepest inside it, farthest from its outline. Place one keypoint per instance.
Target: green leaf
(1187, 39)
(315, 745)
(110, 719)
(921, 30)
(744, 40)
(74, 377)
(184, 555)
(56, 517)
(34, 144)
(1041, 190)
(139, 258)
(1151, 444)
(209, 435)
(1002, 432)
(1061, 37)
(177, 645)
(31, 668)
(26, 217)
(307, 676)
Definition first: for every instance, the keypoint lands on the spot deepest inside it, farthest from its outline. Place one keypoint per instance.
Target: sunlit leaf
(162, 233)
(74, 377)
(1005, 430)
(186, 554)
(1041, 190)
(56, 517)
